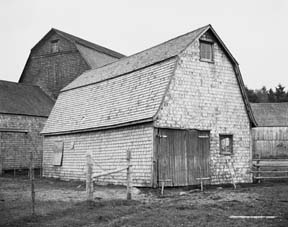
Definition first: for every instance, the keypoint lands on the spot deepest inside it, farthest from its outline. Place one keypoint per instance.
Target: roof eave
(131, 123)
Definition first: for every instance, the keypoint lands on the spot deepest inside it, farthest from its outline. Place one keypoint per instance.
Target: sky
(254, 31)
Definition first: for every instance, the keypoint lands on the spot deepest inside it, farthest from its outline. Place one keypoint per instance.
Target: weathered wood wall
(206, 96)
(270, 142)
(109, 149)
(182, 156)
(15, 147)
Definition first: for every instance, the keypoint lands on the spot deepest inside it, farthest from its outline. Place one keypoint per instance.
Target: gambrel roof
(82, 42)
(22, 99)
(271, 114)
(137, 61)
(89, 51)
(127, 91)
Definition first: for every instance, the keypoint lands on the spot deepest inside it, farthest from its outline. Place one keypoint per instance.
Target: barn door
(172, 164)
(198, 146)
(182, 156)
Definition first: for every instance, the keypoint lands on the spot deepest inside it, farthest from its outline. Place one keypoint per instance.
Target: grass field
(60, 203)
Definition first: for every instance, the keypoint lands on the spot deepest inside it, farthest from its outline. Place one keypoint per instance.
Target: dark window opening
(226, 144)
(55, 46)
(206, 51)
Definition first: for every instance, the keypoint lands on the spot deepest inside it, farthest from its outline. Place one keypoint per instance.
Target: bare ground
(60, 203)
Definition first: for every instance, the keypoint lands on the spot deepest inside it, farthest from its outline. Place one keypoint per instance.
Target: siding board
(109, 152)
(270, 142)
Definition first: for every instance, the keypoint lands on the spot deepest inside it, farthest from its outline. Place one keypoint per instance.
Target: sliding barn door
(182, 156)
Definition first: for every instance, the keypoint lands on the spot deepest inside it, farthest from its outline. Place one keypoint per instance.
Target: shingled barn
(270, 138)
(23, 108)
(56, 60)
(180, 107)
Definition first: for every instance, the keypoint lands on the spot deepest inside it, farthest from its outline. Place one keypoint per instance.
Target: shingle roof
(89, 44)
(24, 99)
(271, 114)
(133, 97)
(129, 90)
(145, 58)
(94, 55)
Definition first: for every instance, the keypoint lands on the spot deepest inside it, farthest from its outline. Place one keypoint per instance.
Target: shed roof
(129, 90)
(24, 99)
(271, 114)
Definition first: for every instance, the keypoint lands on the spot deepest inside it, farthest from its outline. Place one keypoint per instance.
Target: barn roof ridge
(76, 41)
(89, 44)
(134, 66)
(131, 98)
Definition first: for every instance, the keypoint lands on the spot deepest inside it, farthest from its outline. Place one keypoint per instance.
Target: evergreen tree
(264, 95)
(280, 93)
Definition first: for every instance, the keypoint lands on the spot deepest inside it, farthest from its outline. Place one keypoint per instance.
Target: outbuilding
(270, 138)
(180, 107)
(24, 110)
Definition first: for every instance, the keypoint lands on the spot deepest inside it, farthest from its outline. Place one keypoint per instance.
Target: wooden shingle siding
(15, 147)
(53, 70)
(109, 149)
(270, 142)
(206, 96)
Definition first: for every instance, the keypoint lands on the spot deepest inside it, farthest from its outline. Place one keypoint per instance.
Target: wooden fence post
(258, 170)
(129, 197)
(89, 179)
(1, 158)
(31, 174)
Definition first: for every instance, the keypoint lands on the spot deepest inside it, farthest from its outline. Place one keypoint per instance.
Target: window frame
(211, 43)
(221, 138)
(54, 45)
(58, 152)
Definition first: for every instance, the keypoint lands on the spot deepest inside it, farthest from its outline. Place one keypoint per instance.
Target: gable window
(226, 144)
(55, 46)
(206, 50)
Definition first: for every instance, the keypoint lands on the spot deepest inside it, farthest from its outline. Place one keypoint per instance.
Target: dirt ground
(60, 203)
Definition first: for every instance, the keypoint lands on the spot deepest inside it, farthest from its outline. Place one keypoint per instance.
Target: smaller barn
(24, 110)
(270, 138)
(180, 107)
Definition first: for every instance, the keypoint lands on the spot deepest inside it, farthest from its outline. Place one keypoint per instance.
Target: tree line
(278, 94)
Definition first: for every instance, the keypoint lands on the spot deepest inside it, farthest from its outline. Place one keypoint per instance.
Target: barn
(24, 110)
(270, 138)
(56, 60)
(180, 107)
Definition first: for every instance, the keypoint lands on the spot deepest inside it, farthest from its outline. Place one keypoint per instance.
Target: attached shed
(24, 110)
(270, 138)
(180, 107)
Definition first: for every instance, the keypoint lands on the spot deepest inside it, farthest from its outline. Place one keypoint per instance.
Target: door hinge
(203, 137)
(161, 136)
